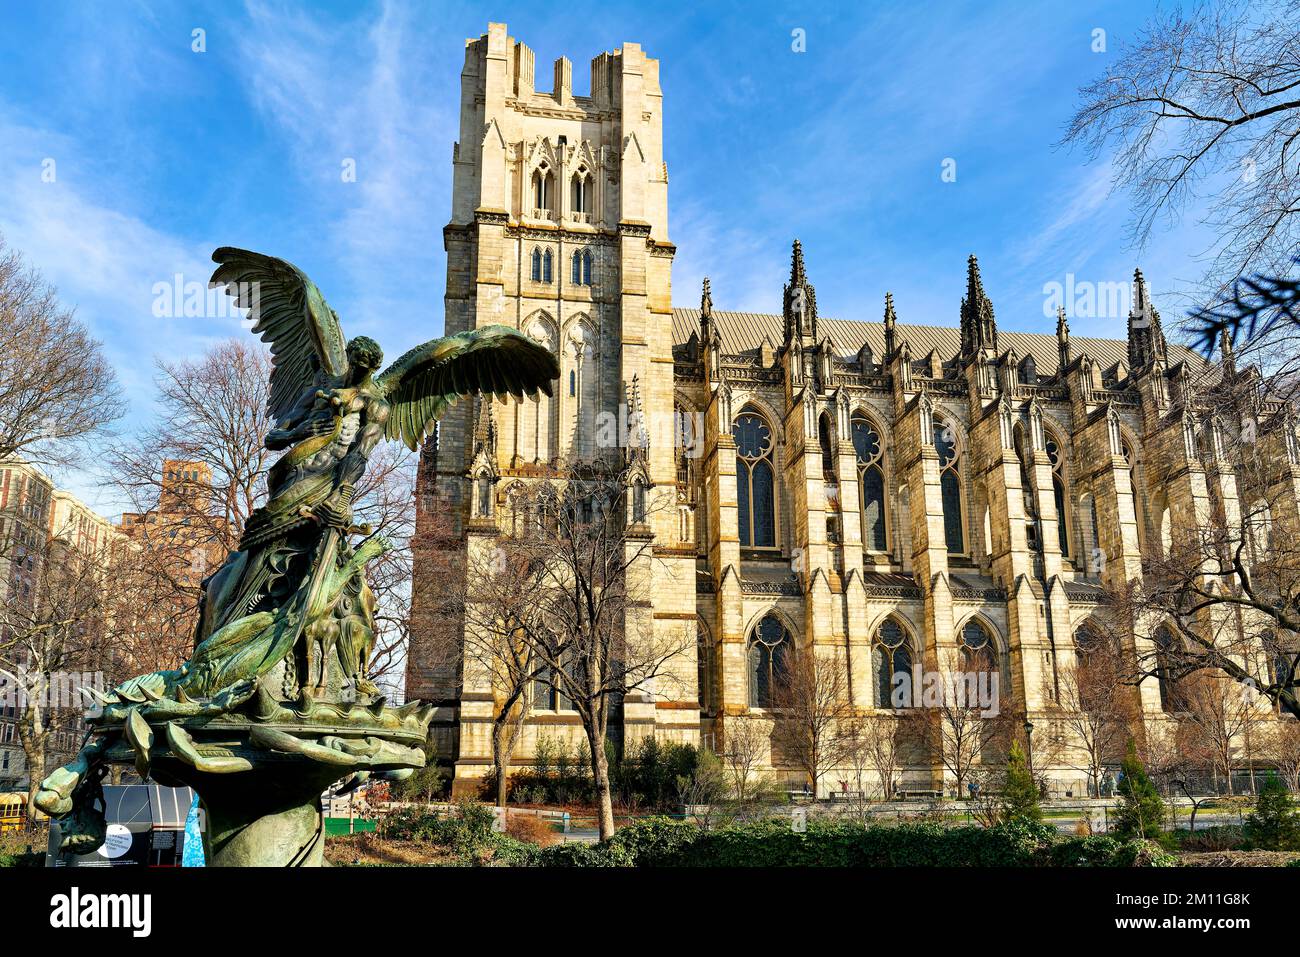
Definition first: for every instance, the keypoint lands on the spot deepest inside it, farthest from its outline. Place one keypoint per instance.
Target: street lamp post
(1029, 745)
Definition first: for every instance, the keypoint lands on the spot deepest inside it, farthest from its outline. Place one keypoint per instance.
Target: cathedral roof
(743, 333)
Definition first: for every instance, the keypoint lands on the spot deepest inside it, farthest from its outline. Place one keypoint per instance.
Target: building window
(537, 265)
(547, 690)
(891, 655)
(638, 502)
(978, 652)
(755, 482)
(547, 270)
(871, 483)
(770, 647)
(579, 194)
(542, 192)
(824, 440)
(1057, 459)
(581, 267)
(945, 442)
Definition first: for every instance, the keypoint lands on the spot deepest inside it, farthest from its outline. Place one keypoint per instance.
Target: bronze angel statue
(286, 624)
(332, 406)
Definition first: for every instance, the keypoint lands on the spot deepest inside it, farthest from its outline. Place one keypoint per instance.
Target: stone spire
(706, 313)
(1146, 338)
(891, 320)
(979, 330)
(1229, 360)
(800, 300)
(1062, 339)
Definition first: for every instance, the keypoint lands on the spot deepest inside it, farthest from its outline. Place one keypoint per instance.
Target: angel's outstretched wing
(493, 359)
(288, 312)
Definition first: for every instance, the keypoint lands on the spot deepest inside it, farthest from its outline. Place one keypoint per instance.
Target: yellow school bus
(13, 811)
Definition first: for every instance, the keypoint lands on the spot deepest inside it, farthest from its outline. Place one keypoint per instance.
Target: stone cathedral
(882, 495)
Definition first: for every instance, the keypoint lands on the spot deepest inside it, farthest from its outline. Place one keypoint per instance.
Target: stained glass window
(978, 651)
(945, 443)
(871, 483)
(755, 482)
(770, 647)
(1058, 492)
(891, 656)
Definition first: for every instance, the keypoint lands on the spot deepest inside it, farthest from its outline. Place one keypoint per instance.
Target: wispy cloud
(355, 96)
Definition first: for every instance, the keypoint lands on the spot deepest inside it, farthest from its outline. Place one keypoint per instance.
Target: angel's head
(364, 355)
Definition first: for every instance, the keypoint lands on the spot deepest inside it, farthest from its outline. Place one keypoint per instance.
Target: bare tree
(814, 715)
(951, 722)
(594, 638)
(747, 742)
(385, 504)
(1218, 717)
(1204, 104)
(879, 744)
(56, 388)
(1095, 709)
(1282, 745)
(489, 626)
(212, 411)
(51, 628)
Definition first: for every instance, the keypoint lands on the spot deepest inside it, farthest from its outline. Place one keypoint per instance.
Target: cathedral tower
(559, 228)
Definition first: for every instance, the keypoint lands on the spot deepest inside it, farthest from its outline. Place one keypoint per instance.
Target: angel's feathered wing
(492, 359)
(288, 312)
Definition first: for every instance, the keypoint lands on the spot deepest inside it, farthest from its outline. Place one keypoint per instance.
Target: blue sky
(161, 154)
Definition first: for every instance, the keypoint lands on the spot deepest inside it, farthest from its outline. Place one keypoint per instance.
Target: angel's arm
(298, 423)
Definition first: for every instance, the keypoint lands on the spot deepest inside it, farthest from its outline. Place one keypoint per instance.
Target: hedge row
(660, 842)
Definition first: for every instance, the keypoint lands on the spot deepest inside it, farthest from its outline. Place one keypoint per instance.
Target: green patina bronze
(274, 706)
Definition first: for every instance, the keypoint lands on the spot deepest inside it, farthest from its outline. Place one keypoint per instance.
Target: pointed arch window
(891, 660)
(703, 667)
(547, 267)
(871, 482)
(580, 267)
(770, 647)
(537, 265)
(1057, 458)
(824, 441)
(979, 653)
(579, 193)
(755, 481)
(548, 686)
(543, 182)
(945, 443)
(638, 502)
